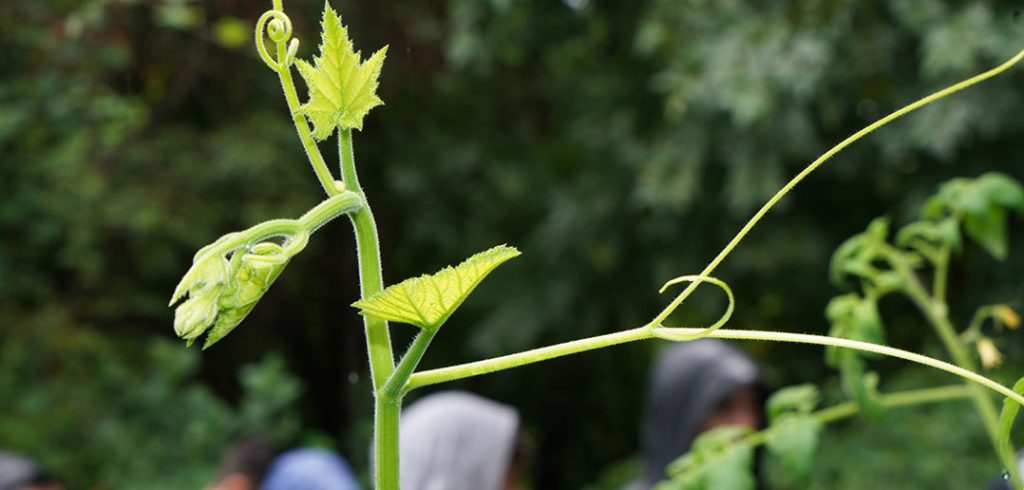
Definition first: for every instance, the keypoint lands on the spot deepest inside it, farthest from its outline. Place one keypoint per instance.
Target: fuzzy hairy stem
(378, 340)
(477, 368)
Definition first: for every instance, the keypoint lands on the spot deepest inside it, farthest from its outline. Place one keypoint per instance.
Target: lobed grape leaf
(342, 88)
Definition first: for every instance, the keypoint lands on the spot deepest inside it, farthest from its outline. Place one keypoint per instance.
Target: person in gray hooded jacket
(694, 387)
(455, 440)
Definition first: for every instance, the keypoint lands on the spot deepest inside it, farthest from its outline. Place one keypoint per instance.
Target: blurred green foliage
(617, 144)
(103, 415)
(930, 446)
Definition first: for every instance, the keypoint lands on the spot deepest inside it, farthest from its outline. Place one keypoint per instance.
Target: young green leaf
(799, 399)
(853, 317)
(793, 434)
(982, 204)
(427, 301)
(717, 461)
(1006, 418)
(863, 257)
(342, 88)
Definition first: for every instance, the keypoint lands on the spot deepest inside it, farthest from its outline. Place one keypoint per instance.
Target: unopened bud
(990, 355)
(1007, 316)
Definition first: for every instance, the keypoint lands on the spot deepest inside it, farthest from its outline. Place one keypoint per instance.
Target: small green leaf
(342, 88)
(717, 461)
(861, 257)
(427, 301)
(1006, 417)
(989, 230)
(928, 237)
(983, 204)
(861, 385)
(856, 318)
(793, 440)
(799, 399)
(793, 435)
(1003, 190)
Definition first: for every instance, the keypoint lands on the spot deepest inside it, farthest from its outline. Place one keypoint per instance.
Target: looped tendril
(278, 27)
(270, 254)
(676, 333)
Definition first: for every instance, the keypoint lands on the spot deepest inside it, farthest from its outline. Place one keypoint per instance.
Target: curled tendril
(278, 27)
(676, 333)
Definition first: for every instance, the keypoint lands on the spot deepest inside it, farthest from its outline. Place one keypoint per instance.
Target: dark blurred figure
(21, 473)
(254, 464)
(694, 387)
(454, 440)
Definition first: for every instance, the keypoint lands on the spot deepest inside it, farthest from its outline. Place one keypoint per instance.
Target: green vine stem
(342, 203)
(936, 312)
(477, 368)
(382, 364)
(276, 25)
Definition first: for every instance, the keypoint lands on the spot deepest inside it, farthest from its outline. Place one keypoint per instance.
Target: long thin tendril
(660, 318)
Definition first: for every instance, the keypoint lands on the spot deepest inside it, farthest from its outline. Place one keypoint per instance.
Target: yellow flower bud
(1007, 316)
(990, 355)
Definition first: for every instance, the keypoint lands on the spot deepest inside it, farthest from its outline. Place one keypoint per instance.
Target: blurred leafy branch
(89, 412)
(876, 267)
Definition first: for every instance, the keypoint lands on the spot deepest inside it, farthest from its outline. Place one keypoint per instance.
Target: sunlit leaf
(342, 88)
(427, 301)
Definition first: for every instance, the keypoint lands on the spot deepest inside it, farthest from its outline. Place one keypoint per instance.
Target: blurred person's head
(244, 465)
(20, 473)
(254, 464)
(459, 441)
(309, 469)
(695, 387)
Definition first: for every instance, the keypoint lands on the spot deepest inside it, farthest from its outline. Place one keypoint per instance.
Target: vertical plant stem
(378, 341)
(385, 443)
(941, 275)
(937, 313)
